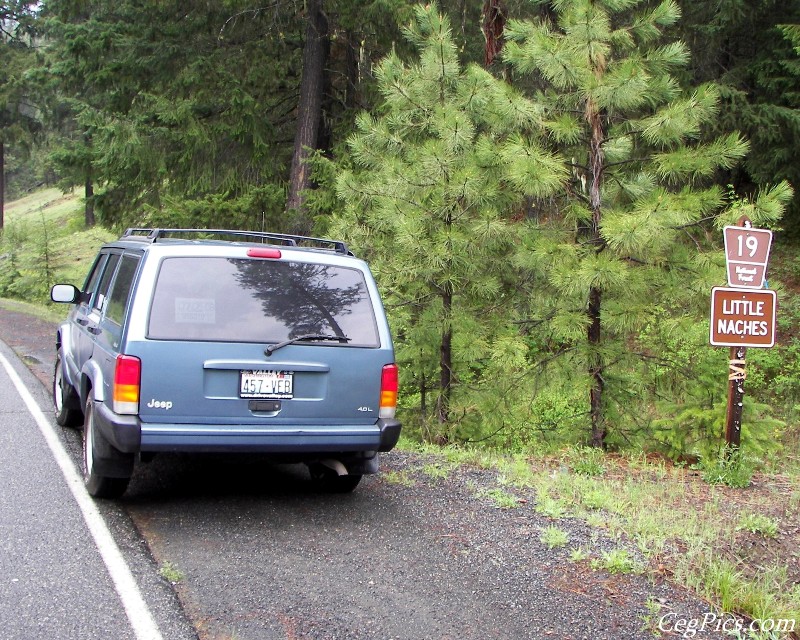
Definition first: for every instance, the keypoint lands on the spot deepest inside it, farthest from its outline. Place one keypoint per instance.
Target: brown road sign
(747, 254)
(742, 318)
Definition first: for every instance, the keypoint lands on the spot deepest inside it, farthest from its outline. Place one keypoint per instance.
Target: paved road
(62, 574)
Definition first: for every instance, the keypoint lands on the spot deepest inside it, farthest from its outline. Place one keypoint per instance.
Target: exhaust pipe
(335, 465)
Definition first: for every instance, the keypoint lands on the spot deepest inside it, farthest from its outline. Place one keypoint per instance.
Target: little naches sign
(742, 318)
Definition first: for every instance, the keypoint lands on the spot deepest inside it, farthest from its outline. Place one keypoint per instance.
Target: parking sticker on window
(195, 310)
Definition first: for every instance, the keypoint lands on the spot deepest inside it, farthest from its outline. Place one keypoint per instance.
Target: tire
(328, 481)
(97, 485)
(65, 398)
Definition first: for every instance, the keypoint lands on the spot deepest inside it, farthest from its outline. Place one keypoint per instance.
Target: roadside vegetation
(736, 547)
(541, 200)
(46, 241)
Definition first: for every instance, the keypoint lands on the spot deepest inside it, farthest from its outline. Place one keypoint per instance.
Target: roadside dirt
(259, 555)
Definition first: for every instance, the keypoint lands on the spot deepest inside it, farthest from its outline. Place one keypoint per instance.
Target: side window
(105, 282)
(93, 278)
(118, 298)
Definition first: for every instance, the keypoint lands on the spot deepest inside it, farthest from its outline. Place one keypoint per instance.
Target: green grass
(437, 470)
(679, 523)
(401, 478)
(759, 524)
(586, 461)
(501, 499)
(51, 312)
(579, 554)
(171, 573)
(617, 561)
(684, 524)
(58, 207)
(732, 469)
(553, 537)
(45, 241)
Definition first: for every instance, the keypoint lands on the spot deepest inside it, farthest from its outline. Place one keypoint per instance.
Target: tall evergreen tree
(741, 46)
(182, 111)
(18, 118)
(186, 112)
(316, 49)
(628, 229)
(436, 174)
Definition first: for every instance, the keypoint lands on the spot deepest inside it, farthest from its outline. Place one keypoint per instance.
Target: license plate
(265, 384)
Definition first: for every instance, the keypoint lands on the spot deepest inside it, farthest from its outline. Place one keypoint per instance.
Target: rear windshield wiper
(310, 337)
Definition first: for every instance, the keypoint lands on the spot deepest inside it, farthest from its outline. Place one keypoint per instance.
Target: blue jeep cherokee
(214, 340)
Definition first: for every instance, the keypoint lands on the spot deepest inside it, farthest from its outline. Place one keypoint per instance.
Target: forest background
(540, 187)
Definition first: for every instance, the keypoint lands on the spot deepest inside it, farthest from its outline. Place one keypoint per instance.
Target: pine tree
(180, 111)
(627, 231)
(316, 49)
(185, 112)
(746, 47)
(19, 121)
(436, 172)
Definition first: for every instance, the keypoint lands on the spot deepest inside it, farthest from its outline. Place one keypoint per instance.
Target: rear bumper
(130, 435)
(390, 434)
(122, 432)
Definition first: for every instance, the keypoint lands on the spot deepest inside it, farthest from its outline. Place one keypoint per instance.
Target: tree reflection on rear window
(244, 300)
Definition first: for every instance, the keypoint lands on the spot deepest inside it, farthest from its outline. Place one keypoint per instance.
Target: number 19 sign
(747, 254)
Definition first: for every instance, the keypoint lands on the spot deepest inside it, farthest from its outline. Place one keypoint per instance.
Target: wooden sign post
(742, 315)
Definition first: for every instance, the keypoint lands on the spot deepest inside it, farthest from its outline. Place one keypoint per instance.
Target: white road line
(144, 626)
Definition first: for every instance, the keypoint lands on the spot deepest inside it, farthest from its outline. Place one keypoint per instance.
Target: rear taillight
(389, 386)
(127, 378)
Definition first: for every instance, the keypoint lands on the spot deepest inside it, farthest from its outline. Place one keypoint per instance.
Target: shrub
(729, 467)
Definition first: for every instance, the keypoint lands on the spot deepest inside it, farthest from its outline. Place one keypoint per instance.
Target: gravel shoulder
(263, 556)
(260, 555)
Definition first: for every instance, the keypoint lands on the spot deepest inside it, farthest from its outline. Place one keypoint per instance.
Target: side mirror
(65, 293)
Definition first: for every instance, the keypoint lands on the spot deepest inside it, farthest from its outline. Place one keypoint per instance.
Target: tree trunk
(2, 184)
(596, 370)
(352, 70)
(88, 214)
(446, 345)
(594, 306)
(423, 395)
(495, 15)
(308, 112)
(445, 359)
(88, 189)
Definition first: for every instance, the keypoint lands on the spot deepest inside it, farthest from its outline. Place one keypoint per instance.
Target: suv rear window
(244, 300)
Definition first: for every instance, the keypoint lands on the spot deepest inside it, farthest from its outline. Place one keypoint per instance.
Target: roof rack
(152, 235)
